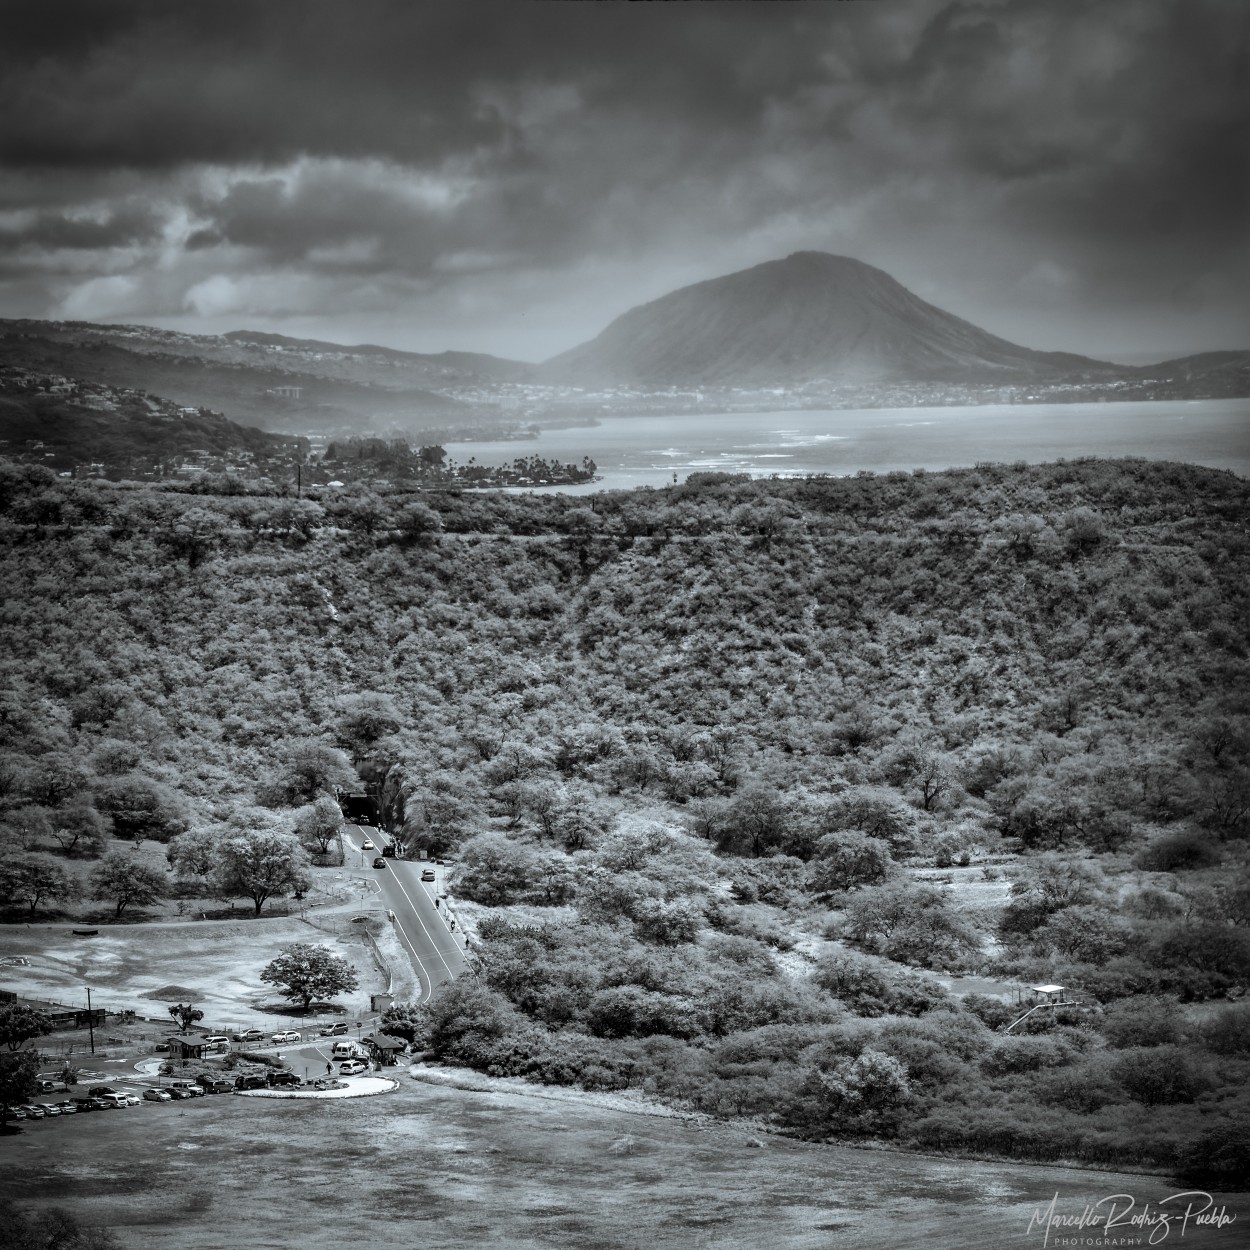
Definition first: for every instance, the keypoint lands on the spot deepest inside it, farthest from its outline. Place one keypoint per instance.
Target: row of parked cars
(106, 1097)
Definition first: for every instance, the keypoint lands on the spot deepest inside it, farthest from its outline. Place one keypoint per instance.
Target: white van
(348, 1050)
(215, 1042)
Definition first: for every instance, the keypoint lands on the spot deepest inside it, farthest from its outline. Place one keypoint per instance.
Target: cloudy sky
(507, 177)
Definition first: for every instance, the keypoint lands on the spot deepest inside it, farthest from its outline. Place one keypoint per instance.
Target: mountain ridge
(809, 316)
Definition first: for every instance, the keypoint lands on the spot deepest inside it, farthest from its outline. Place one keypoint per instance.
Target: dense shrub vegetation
(734, 774)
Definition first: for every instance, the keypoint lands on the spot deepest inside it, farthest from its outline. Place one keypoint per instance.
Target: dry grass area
(216, 963)
(461, 1170)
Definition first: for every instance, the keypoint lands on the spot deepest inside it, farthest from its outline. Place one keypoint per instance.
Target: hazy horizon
(508, 178)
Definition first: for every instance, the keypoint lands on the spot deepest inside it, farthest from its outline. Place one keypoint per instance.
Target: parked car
(158, 1095)
(252, 1080)
(101, 1104)
(68, 1107)
(282, 1080)
(427, 874)
(388, 851)
(251, 1035)
(113, 1099)
(367, 845)
(132, 1099)
(179, 1094)
(96, 1090)
(289, 1036)
(189, 1087)
(379, 862)
(214, 1084)
(15, 1113)
(49, 1108)
(33, 1111)
(215, 1042)
(353, 1067)
(335, 1030)
(52, 1087)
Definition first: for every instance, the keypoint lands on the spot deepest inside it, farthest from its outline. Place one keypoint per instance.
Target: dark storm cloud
(1095, 148)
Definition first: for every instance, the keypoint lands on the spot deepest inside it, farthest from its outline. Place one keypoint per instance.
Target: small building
(286, 392)
(1051, 993)
(384, 1048)
(183, 1048)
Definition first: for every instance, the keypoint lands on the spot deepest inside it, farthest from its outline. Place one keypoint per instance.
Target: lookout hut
(385, 1048)
(183, 1048)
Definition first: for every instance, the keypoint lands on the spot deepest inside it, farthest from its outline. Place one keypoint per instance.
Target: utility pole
(90, 1021)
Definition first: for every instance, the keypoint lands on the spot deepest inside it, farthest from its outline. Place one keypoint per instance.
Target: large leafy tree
(33, 879)
(260, 863)
(309, 769)
(318, 824)
(20, 1024)
(305, 973)
(142, 808)
(123, 880)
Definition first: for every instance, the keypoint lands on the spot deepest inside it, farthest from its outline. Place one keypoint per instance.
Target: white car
(132, 1099)
(367, 845)
(289, 1036)
(353, 1067)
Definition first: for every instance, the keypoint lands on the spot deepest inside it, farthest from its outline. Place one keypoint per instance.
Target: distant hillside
(102, 426)
(437, 368)
(811, 316)
(175, 366)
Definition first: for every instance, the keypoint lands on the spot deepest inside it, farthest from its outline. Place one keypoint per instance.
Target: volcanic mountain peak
(811, 315)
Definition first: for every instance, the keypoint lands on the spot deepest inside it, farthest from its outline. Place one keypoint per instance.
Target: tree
(407, 1020)
(365, 718)
(310, 769)
(304, 973)
(865, 1085)
(141, 808)
(19, 1024)
(186, 1014)
(121, 880)
(260, 863)
(415, 520)
(494, 870)
(81, 823)
(318, 824)
(846, 861)
(194, 854)
(35, 878)
(19, 1078)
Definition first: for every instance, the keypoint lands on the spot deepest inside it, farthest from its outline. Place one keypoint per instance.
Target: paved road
(433, 948)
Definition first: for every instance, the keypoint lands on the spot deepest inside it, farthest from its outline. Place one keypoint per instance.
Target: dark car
(84, 1104)
(178, 1094)
(379, 862)
(281, 1080)
(388, 852)
(214, 1084)
(251, 1081)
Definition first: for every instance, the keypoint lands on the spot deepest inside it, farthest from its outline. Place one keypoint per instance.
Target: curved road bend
(431, 946)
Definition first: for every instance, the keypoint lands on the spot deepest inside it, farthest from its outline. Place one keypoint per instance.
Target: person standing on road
(329, 1069)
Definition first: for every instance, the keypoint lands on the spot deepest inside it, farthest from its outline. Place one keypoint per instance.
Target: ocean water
(648, 451)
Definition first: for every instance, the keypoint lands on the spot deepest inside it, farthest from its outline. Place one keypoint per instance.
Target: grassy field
(216, 963)
(454, 1169)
